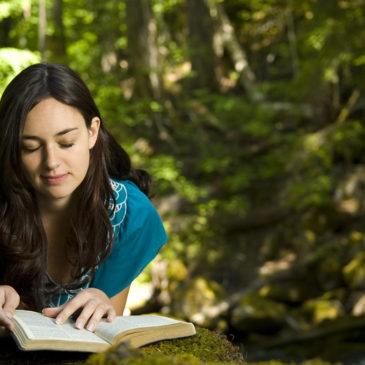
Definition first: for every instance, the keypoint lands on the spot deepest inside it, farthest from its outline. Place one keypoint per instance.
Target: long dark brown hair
(23, 241)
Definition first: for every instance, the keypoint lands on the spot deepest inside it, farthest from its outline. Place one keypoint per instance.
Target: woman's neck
(55, 207)
(56, 217)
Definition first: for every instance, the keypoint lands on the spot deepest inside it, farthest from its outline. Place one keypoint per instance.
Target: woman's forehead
(52, 116)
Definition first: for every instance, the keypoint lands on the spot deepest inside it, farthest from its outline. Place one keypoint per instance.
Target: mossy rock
(256, 313)
(206, 347)
(322, 309)
(194, 299)
(329, 273)
(290, 291)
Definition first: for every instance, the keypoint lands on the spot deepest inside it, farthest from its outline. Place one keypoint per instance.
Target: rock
(199, 302)
(321, 309)
(289, 291)
(206, 347)
(256, 313)
(329, 273)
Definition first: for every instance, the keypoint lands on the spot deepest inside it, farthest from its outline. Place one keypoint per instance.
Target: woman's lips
(55, 179)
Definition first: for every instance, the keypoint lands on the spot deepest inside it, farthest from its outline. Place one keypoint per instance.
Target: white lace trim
(120, 207)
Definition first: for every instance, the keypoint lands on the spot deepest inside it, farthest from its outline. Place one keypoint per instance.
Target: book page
(37, 326)
(108, 330)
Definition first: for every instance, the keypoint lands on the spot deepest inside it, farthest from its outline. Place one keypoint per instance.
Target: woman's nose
(51, 158)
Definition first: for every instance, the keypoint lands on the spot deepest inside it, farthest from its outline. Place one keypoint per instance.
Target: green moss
(207, 347)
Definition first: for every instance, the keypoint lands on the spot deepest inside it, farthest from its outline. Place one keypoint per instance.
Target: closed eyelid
(30, 145)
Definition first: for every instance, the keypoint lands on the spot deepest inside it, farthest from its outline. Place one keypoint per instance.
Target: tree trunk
(238, 55)
(292, 39)
(42, 23)
(6, 26)
(57, 43)
(200, 37)
(143, 54)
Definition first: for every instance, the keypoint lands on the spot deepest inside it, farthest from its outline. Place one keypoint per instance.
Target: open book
(34, 331)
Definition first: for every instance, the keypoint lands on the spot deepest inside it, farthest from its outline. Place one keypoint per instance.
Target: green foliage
(11, 8)
(12, 61)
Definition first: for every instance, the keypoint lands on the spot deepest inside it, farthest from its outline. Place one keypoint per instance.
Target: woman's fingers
(92, 316)
(52, 311)
(89, 309)
(99, 313)
(111, 314)
(6, 321)
(69, 308)
(9, 301)
(12, 300)
(92, 305)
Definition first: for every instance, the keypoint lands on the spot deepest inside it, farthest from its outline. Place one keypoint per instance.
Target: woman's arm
(119, 301)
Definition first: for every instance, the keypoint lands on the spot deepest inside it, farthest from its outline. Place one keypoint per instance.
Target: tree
(227, 37)
(142, 49)
(57, 42)
(200, 39)
(42, 24)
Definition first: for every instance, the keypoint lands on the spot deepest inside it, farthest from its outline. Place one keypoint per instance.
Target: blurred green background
(250, 116)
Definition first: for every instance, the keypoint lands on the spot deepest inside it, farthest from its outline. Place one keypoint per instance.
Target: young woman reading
(76, 224)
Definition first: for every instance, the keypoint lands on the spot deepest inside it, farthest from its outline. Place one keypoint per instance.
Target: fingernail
(9, 315)
(90, 327)
(58, 320)
(79, 325)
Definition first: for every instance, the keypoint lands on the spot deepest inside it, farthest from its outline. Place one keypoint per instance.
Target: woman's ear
(93, 131)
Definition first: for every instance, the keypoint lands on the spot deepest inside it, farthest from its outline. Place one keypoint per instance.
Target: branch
(345, 111)
(239, 57)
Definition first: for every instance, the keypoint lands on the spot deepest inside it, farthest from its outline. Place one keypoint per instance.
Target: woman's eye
(66, 145)
(30, 149)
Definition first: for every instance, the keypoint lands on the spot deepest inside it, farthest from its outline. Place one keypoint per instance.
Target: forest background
(250, 116)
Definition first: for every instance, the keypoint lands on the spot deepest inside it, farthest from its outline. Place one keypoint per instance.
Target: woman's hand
(9, 301)
(93, 305)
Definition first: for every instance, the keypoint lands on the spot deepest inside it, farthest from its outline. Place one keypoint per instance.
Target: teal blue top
(138, 236)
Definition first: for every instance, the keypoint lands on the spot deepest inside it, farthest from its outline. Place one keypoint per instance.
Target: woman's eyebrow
(61, 133)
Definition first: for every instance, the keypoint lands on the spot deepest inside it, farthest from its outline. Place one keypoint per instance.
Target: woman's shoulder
(127, 191)
(129, 201)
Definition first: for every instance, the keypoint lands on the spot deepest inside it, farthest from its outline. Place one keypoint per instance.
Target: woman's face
(55, 150)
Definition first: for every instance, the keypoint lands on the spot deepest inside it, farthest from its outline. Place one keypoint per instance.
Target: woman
(76, 226)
